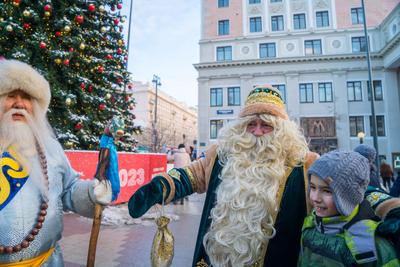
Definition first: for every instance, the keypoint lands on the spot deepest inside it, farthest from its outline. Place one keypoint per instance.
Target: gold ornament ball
(119, 67)
(122, 20)
(103, 29)
(68, 101)
(47, 14)
(58, 61)
(1, 19)
(120, 42)
(69, 144)
(82, 46)
(16, 3)
(108, 96)
(26, 13)
(102, 8)
(67, 28)
(9, 28)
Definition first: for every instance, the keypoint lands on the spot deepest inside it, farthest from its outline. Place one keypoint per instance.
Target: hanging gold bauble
(68, 101)
(103, 29)
(58, 61)
(102, 8)
(68, 144)
(9, 28)
(67, 28)
(120, 42)
(47, 14)
(1, 19)
(122, 20)
(82, 46)
(108, 96)
(26, 13)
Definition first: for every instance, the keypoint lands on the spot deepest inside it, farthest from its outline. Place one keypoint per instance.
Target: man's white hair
(253, 168)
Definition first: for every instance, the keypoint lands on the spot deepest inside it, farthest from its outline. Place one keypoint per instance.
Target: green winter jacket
(344, 241)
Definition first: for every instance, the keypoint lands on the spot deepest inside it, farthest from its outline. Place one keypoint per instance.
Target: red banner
(135, 170)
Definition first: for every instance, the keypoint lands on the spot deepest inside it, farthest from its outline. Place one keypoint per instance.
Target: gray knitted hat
(347, 174)
(367, 151)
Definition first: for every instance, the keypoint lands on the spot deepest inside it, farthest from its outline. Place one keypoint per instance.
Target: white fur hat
(17, 75)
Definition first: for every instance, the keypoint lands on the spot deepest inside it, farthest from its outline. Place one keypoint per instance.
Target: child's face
(321, 198)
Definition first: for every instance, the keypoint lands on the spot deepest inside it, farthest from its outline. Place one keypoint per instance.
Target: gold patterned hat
(264, 99)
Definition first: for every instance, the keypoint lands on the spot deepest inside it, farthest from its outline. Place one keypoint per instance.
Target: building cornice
(389, 46)
(239, 63)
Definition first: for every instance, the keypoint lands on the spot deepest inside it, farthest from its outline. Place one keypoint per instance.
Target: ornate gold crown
(265, 95)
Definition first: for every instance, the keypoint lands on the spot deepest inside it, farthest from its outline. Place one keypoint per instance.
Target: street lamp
(157, 82)
(361, 136)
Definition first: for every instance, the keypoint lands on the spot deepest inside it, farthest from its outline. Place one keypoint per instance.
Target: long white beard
(21, 136)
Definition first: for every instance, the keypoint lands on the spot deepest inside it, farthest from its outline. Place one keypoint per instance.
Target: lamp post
(157, 82)
(361, 136)
(370, 87)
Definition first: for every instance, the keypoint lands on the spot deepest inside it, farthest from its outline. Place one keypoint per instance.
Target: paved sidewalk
(130, 245)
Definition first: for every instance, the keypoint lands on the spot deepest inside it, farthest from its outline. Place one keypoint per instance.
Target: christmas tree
(79, 47)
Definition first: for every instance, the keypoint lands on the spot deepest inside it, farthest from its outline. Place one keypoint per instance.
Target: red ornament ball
(79, 19)
(91, 7)
(119, 51)
(83, 85)
(100, 69)
(109, 56)
(42, 45)
(27, 26)
(119, 6)
(78, 126)
(116, 21)
(66, 62)
(71, 49)
(47, 8)
(58, 34)
(102, 106)
(90, 89)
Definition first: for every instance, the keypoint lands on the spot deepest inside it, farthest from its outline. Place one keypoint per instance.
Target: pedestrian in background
(369, 153)
(395, 190)
(386, 174)
(181, 159)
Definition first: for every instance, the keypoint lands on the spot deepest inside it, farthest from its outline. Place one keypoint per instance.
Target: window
(356, 125)
(224, 53)
(282, 90)
(255, 24)
(312, 47)
(357, 16)
(276, 1)
(299, 21)
(378, 92)
(322, 19)
(215, 97)
(277, 23)
(223, 3)
(254, 1)
(354, 91)
(306, 93)
(223, 27)
(358, 44)
(380, 125)
(233, 96)
(325, 92)
(267, 50)
(215, 126)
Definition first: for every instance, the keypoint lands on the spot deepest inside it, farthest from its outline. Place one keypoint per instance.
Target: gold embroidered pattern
(264, 98)
(175, 174)
(201, 263)
(191, 178)
(376, 197)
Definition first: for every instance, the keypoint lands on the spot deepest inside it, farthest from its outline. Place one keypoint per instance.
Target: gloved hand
(146, 196)
(390, 227)
(102, 192)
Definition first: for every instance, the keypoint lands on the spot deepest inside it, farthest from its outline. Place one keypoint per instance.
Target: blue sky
(164, 41)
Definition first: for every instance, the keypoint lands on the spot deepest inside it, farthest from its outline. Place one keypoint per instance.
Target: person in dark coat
(369, 153)
(395, 190)
(386, 174)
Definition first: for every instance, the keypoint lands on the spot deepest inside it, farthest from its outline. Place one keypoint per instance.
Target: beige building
(176, 122)
(314, 52)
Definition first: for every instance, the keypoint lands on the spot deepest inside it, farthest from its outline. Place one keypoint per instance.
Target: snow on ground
(119, 215)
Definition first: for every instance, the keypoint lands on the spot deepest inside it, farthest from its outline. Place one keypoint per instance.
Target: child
(340, 230)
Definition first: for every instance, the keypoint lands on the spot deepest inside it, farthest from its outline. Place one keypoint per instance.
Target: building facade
(313, 51)
(176, 122)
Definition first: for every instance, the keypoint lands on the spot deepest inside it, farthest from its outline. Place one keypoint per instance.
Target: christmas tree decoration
(91, 7)
(68, 101)
(102, 106)
(76, 45)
